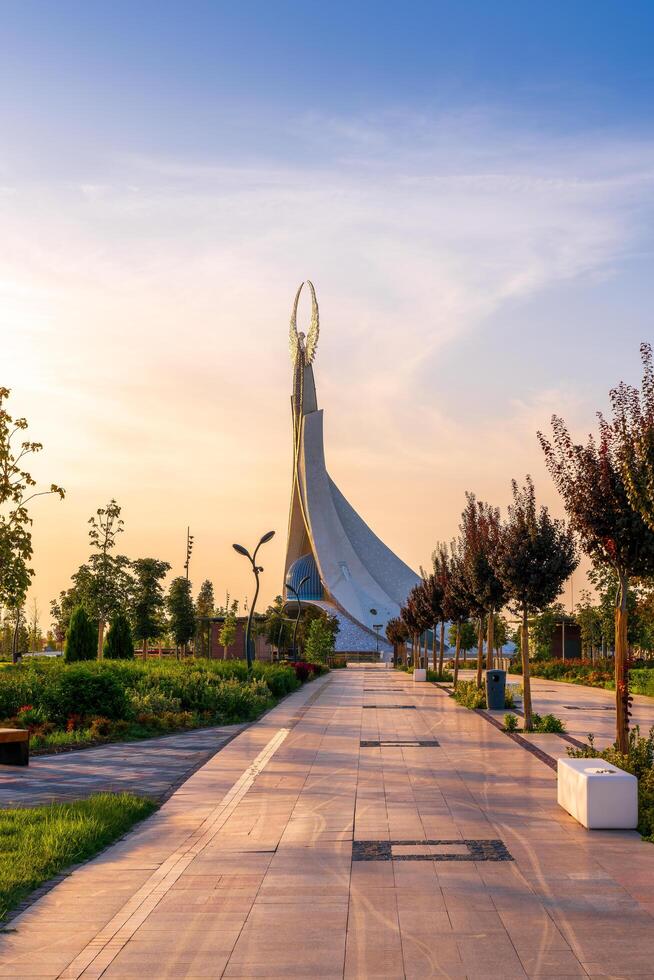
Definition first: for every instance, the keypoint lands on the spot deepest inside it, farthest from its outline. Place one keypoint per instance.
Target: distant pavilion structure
(343, 566)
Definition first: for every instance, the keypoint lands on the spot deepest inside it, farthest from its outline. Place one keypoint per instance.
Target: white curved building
(332, 556)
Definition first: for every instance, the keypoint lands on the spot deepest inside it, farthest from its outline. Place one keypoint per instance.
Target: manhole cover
(403, 707)
(398, 742)
(430, 850)
(594, 707)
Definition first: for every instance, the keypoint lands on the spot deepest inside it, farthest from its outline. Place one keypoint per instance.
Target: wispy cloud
(145, 307)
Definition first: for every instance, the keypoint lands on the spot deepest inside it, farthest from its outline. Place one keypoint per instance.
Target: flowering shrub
(67, 705)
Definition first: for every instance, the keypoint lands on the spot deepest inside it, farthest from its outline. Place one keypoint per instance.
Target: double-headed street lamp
(296, 593)
(256, 569)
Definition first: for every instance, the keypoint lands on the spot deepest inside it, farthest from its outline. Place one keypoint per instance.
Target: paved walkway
(583, 709)
(152, 767)
(299, 852)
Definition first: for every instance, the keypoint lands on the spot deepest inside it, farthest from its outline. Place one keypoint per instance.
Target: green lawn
(38, 843)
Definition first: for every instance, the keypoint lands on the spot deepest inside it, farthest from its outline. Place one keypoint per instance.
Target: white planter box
(420, 674)
(597, 794)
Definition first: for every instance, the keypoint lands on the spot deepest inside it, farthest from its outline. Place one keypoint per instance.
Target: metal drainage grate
(429, 850)
(401, 742)
(595, 707)
(403, 707)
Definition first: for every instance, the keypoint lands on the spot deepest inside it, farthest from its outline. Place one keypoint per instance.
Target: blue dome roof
(301, 568)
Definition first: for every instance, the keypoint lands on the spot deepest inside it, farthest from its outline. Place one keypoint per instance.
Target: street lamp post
(189, 549)
(296, 593)
(256, 569)
(376, 627)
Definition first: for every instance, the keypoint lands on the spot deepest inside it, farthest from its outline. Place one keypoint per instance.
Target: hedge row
(123, 689)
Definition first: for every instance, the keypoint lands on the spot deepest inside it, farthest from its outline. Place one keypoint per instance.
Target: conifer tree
(81, 638)
(119, 644)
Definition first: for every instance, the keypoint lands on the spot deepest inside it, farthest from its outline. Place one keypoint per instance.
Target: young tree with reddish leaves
(442, 574)
(480, 534)
(458, 604)
(397, 634)
(592, 484)
(634, 424)
(431, 606)
(534, 557)
(413, 615)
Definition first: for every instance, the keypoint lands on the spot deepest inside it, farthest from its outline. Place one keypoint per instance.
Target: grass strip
(40, 842)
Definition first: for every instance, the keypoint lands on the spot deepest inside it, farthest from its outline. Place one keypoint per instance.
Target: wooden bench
(14, 747)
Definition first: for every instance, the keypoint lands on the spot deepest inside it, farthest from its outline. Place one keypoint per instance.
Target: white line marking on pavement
(96, 956)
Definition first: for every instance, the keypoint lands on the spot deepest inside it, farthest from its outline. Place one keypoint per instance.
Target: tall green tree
(181, 611)
(82, 637)
(320, 642)
(110, 582)
(589, 620)
(227, 632)
(276, 626)
(119, 643)
(148, 600)
(536, 554)
(591, 482)
(17, 490)
(204, 608)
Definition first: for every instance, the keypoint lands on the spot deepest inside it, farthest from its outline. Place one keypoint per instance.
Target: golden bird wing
(314, 326)
(293, 339)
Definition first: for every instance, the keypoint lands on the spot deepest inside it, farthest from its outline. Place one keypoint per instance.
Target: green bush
(119, 644)
(510, 723)
(68, 705)
(435, 676)
(641, 681)
(639, 760)
(81, 638)
(470, 696)
(547, 724)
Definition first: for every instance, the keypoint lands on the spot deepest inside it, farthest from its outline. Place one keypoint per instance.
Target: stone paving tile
(273, 892)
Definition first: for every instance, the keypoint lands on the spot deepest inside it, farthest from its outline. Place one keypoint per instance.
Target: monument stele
(349, 571)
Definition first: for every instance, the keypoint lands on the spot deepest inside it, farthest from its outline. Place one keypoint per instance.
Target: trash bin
(495, 688)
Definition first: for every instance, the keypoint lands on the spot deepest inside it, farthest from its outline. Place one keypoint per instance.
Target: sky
(469, 185)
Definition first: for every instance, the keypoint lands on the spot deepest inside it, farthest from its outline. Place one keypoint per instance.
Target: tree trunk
(621, 667)
(490, 640)
(14, 639)
(416, 651)
(457, 652)
(100, 638)
(526, 683)
(441, 652)
(433, 650)
(145, 649)
(465, 658)
(480, 649)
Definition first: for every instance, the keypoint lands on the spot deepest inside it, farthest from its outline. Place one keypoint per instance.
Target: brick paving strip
(470, 868)
(152, 767)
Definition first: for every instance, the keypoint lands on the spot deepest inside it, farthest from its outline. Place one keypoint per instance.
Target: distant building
(236, 650)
